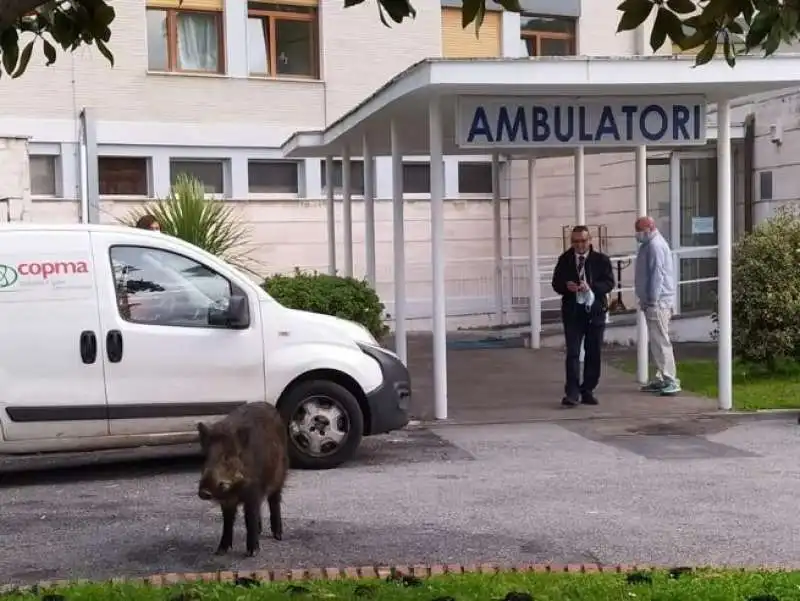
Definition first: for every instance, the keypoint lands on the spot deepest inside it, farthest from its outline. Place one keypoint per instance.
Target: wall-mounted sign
(529, 122)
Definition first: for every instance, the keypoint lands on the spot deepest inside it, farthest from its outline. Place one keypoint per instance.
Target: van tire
(344, 400)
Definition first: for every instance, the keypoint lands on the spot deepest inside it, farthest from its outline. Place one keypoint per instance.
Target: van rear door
(51, 367)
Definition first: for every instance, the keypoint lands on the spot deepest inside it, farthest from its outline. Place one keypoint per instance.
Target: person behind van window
(148, 222)
(654, 283)
(583, 277)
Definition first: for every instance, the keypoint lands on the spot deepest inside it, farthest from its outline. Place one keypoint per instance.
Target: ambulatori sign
(526, 122)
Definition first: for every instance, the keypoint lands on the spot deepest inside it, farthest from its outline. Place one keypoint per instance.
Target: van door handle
(114, 346)
(88, 346)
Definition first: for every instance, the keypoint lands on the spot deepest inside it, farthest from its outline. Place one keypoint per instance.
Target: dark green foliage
(343, 297)
(766, 292)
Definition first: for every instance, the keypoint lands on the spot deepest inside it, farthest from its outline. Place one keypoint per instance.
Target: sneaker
(587, 398)
(654, 386)
(570, 402)
(670, 389)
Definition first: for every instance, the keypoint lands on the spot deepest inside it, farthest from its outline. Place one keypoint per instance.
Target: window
(282, 40)
(765, 185)
(547, 36)
(356, 177)
(157, 287)
(43, 175)
(416, 178)
(474, 178)
(210, 172)
(273, 177)
(184, 40)
(123, 176)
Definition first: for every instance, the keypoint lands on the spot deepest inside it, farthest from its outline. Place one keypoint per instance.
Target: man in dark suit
(583, 277)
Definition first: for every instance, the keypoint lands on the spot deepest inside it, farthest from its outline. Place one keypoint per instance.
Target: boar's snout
(205, 494)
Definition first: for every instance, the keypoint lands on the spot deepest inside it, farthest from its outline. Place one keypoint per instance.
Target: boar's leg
(275, 520)
(252, 518)
(228, 518)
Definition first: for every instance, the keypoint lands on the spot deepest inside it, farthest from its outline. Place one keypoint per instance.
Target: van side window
(158, 287)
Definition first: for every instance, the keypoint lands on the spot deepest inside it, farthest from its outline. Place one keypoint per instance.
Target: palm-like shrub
(210, 224)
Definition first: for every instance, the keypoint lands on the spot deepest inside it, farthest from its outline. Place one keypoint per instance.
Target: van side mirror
(235, 316)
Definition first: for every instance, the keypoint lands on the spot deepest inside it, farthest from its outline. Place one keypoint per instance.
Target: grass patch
(754, 387)
(703, 585)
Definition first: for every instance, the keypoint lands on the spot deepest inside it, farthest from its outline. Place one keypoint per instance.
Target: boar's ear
(202, 430)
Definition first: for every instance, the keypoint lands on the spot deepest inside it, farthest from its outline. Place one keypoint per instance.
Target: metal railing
(470, 284)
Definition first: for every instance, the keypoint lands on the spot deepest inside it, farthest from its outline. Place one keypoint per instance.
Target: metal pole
(347, 213)
(369, 211)
(533, 254)
(398, 243)
(331, 215)
(497, 234)
(438, 259)
(92, 176)
(642, 367)
(725, 255)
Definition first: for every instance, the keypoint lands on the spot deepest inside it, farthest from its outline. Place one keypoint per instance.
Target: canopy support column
(535, 303)
(398, 244)
(369, 210)
(725, 255)
(580, 186)
(347, 211)
(642, 367)
(331, 215)
(497, 234)
(438, 259)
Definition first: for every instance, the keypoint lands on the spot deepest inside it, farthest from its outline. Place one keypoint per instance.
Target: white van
(117, 337)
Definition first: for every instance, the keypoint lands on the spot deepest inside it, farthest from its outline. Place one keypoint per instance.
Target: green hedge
(766, 292)
(343, 297)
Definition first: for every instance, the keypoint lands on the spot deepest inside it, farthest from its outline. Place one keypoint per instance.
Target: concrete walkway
(491, 385)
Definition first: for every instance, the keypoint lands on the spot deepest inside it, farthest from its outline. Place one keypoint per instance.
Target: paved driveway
(605, 492)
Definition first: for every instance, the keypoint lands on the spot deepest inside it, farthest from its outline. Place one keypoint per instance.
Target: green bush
(343, 297)
(766, 292)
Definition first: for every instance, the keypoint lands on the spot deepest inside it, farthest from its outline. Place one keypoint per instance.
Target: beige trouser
(658, 319)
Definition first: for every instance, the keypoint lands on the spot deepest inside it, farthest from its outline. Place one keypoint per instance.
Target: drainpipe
(91, 189)
(82, 179)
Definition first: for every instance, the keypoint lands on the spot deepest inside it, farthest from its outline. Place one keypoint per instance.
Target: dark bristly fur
(246, 460)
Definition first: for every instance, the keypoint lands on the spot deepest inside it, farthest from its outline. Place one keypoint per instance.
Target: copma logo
(8, 276)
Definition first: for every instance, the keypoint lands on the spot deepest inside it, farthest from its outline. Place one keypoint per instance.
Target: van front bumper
(390, 403)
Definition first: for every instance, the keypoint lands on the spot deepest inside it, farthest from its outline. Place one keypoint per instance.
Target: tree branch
(12, 10)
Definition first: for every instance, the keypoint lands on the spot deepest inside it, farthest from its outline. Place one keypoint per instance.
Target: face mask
(641, 237)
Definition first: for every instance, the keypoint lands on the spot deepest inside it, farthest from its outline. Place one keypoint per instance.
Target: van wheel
(325, 424)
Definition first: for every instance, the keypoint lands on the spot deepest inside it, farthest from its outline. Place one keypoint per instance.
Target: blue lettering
(504, 122)
(608, 125)
(583, 135)
(564, 137)
(480, 126)
(696, 121)
(541, 129)
(653, 108)
(629, 110)
(680, 117)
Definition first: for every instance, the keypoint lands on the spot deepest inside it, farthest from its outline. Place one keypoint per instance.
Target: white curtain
(198, 47)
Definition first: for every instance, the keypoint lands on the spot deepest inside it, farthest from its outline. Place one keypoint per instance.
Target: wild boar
(246, 460)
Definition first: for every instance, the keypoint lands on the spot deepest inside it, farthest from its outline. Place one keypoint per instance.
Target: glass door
(694, 227)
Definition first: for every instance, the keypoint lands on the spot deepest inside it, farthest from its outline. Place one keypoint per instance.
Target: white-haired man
(655, 288)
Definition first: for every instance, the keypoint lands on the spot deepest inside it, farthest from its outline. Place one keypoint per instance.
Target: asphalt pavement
(602, 492)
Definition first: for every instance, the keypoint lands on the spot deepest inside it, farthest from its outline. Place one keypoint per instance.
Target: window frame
(233, 288)
(172, 40)
(276, 195)
(416, 195)
(223, 163)
(271, 16)
(539, 34)
(57, 192)
(481, 195)
(148, 171)
(338, 193)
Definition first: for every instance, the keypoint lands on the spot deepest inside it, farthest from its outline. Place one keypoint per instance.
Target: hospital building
(217, 88)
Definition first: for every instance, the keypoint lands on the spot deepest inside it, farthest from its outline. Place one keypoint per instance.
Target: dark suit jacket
(599, 276)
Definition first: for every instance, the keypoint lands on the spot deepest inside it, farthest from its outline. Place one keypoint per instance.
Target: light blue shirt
(654, 281)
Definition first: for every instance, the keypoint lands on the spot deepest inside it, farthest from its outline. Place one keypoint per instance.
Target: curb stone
(356, 573)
